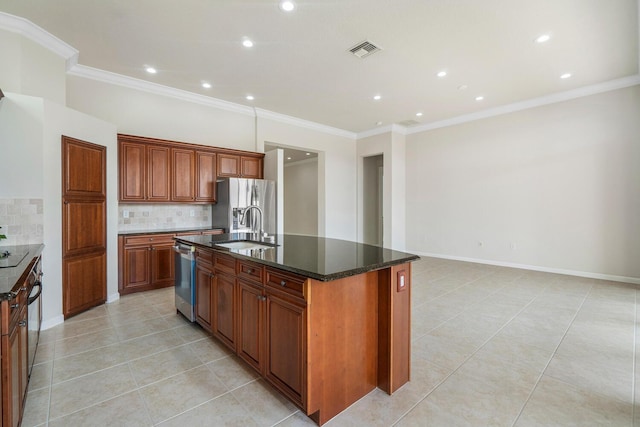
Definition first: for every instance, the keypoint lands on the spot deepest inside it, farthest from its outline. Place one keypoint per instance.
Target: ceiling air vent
(409, 123)
(364, 49)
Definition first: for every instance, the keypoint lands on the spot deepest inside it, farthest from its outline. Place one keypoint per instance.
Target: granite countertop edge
(310, 274)
(18, 273)
(166, 231)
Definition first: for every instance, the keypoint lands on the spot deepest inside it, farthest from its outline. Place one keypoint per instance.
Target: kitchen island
(325, 321)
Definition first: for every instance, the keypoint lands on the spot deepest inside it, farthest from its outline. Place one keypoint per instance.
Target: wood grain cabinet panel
(132, 166)
(251, 167)
(228, 165)
(224, 297)
(250, 342)
(205, 176)
(147, 262)
(204, 278)
(183, 167)
(159, 174)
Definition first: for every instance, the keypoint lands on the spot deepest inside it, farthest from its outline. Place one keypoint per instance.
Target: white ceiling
(300, 65)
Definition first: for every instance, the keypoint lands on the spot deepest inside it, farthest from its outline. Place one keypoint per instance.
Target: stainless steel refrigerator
(244, 205)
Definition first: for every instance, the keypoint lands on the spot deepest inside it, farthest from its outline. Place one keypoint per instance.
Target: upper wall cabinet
(156, 171)
(232, 165)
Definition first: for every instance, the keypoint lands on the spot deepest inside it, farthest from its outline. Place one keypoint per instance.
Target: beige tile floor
(491, 346)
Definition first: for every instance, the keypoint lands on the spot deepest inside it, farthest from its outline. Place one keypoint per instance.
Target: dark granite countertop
(11, 275)
(310, 256)
(168, 231)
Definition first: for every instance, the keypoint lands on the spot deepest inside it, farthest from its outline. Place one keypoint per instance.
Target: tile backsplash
(133, 217)
(22, 221)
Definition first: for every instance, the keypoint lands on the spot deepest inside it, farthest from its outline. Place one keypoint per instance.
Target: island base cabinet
(250, 342)
(224, 322)
(204, 278)
(14, 381)
(286, 339)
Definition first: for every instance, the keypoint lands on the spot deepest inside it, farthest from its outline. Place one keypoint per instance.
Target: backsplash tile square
(22, 221)
(162, 217)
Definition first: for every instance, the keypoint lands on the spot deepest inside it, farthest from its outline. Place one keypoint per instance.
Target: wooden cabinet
(144, 172)
(205, 176)
(147, 262)
(286, 339)
(204, 279)
(14, 365)
(160, 171)
(224, 296)
(251, 308)
(231, 165)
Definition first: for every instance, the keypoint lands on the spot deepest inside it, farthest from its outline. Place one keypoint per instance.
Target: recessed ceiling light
(377, 97)
(419, 114)
(565, 76)
(543, 38)
(378, 123)
(462, 87)
(308, 154)
(247, 43)
(206, 85)
(287, 6)
(250, 98)
(479, 98)
(288, 158)
(441, 74)
(151, 70)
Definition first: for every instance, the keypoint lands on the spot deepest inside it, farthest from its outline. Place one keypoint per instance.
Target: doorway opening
(372, 200)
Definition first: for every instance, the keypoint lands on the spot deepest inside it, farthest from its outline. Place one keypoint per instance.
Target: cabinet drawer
(148, 239)
(225, 263)
(204, 256)
(15, 307)
(285, 282)
(251, 271)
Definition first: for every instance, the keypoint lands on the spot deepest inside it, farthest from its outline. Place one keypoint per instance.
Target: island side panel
(394, 326)
(343, 343)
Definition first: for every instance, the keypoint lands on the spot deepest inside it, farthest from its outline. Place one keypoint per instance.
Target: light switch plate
(401, 281)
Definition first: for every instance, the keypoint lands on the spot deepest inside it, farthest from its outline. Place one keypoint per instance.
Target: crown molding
(155, 88)
(28, 29)
(531, 103)
(283, 118)
(396, 128)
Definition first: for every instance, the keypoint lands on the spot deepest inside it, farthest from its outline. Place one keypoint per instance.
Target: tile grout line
(535, 386)
(464, 361)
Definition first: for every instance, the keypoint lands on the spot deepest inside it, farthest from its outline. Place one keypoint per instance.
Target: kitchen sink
(244, 245)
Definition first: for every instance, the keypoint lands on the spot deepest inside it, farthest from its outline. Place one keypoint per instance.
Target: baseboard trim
(50, 323)
(590, 275)
(113, 297)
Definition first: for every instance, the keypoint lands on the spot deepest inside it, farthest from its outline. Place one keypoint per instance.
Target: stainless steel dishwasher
(185, 280)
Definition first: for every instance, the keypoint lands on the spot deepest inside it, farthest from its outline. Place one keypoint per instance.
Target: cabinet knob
(249, 270)
(283, 283)
(262, 298)
(16, 305)
(22, 323)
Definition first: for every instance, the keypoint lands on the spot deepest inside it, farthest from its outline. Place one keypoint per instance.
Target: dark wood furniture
(160, 171)
(323, 344)
(84, 226)
(14, 342)
(147, 260)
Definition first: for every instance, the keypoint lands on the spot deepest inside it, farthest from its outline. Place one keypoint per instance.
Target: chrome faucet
(243, 219)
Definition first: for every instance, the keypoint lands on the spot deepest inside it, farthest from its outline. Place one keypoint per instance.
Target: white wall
(392, 146)
(336, 173)
(142, 113)
(58, 121)
(301, 195)
(554, 187)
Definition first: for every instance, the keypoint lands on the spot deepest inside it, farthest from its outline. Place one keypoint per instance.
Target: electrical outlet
(512, 246)
(192, 213)
(125, 214)
(480, 243)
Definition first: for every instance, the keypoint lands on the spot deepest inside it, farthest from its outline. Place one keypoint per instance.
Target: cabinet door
(203, 296)
(15, 364)
(228, 165)
(182, 165)
(286, 346)
(158, 184)
(205, 177)
(251, 167)
(162, 265)
(224, 326)
(250, 342)
(137, 267)
(132, 172)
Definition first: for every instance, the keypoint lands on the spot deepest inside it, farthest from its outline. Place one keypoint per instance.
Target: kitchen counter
(319, 258)
(11, 275)
(167, 231)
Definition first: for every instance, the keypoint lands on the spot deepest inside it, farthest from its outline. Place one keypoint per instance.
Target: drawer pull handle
(283, 283)
(249, 270)
(16, 305)
(22, 323)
